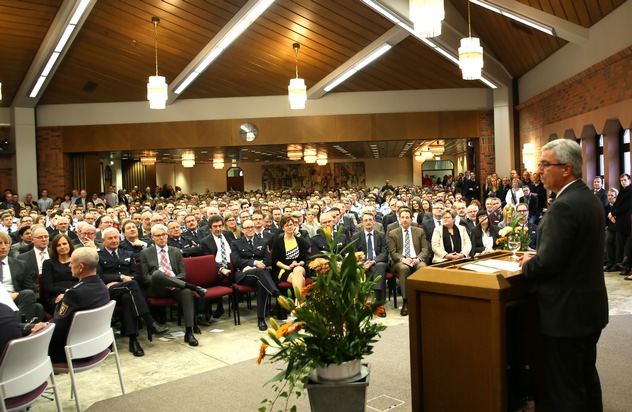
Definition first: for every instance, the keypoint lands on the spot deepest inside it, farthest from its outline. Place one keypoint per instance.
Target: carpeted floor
(239, 387)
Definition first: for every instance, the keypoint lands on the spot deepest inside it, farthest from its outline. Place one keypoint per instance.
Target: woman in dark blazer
(56, 274)
(484, 235)
(289, 255)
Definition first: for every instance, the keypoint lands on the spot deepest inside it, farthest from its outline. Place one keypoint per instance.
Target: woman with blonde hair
(230, 223)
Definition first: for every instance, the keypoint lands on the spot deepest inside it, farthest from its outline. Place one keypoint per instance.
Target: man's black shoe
(262, 325)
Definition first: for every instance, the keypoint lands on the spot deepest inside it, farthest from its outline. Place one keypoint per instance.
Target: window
(600, 165)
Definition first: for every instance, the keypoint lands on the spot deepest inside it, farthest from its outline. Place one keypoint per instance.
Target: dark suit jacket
(23, 277)
(242, 254)
(602, 195)
(89, 293)
(197, 237)
(396, 244)
(9, 326)
(188, 247)
(149, 263)
(82, 202)
(532, 203)
(208, 246)
(127, 245)
(622, 210)
(379, 241)
(388, 219)
(568, 265)
(320, 244)
(110, 268)
(16, 206)
(429, 227)
(30, 260)
(72, 235)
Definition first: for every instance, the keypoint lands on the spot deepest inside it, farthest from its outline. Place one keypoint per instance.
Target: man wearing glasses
(523, 211)
(163, 271)
(251, 259)
(571, 294)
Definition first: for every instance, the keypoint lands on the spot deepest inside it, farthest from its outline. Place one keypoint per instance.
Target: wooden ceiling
(113, 53)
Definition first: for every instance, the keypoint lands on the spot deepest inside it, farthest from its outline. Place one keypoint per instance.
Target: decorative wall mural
(312, 177)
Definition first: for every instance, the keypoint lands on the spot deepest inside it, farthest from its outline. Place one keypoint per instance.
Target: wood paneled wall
(335, 128)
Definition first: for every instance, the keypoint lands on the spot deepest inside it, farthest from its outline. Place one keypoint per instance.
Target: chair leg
(118, 363)
(55, 394)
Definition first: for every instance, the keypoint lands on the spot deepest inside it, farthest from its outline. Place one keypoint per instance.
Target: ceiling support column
(25, 159)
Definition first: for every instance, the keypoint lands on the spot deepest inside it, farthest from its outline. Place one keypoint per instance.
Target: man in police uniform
(119, 272)
(89, 293)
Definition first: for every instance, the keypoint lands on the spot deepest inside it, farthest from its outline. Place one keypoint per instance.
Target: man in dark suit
(600, 192)
(251, 260)
(62, 225)
(120, 273)
(218, 245)
(260, 230)
(408, 248)
(20, 283)
(430, 224)
(571, 293)
(320, 242)
(83, 200)
(394, 204)
(532, 203)
(9, 326)
(165, 276)
(35, 257)
(375, 248)
(89, 293)
(8, 203)
(193, 233)
(186, 245)
(469, 223)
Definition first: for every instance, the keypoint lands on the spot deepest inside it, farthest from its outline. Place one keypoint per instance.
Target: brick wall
(605, 83)
(54, 168)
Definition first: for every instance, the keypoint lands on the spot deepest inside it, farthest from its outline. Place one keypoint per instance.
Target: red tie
(166, 267)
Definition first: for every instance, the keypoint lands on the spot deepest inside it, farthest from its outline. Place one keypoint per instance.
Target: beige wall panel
(459, 124)
(214, 132)
(391, 126)
(319, 129)
(283, 130)
(144, 136)
(356, 127)
(92, 139)
(422, 125)
(179, 134)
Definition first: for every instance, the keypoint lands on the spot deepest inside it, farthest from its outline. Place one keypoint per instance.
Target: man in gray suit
(571, 295)
(408, 248)
(375, 248)
(163, 272)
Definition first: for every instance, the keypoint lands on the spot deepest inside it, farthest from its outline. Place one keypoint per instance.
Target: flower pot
(345, 370)
(347, 395)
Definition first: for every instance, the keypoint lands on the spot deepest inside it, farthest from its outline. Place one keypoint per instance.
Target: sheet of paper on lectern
(479, 268)
(500, 264)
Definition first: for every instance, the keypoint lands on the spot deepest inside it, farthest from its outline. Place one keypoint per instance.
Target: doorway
(235, 179)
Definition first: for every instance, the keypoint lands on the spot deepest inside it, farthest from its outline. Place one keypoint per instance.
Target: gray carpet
(239, 387)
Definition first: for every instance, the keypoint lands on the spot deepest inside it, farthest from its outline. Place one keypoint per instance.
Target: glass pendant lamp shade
(427, 16)
(471, 58)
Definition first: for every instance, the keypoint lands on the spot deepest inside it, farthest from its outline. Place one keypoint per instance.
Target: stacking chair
(24, 371)
(202, 271)
(90, 341)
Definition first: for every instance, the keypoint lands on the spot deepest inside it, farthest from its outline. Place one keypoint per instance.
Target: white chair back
(26, 366)
(90, 332)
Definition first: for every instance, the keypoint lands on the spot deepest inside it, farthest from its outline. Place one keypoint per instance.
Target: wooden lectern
(465, 329)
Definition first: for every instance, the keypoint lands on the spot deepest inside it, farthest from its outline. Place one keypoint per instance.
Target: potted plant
(332, 326)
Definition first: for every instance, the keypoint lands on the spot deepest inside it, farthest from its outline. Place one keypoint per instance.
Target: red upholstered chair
(239, 291)
(24, 371)
(202, 271)
(391, 285)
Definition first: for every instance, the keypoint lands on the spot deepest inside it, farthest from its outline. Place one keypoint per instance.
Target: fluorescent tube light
(359, 66)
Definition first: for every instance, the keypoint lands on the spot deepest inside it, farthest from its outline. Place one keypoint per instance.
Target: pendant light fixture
(157, 86)
(427, 16)
(470, 53)
(297, 91)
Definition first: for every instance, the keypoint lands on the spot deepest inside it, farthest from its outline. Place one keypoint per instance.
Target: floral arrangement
(514, 228)
(332, 323)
